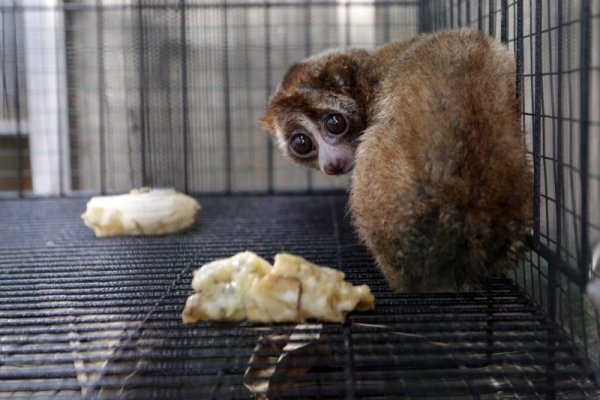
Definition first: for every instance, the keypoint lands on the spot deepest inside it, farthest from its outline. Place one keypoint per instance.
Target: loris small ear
(295, 74)
(338, 74)
(267, 123)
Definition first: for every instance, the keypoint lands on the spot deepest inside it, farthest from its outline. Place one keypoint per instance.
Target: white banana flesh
(247, 287)
(141, 212)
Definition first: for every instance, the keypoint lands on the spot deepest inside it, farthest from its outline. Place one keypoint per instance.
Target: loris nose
(335, 168)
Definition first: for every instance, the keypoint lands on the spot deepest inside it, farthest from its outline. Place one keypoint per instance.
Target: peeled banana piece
(141, 212)
(247, 287)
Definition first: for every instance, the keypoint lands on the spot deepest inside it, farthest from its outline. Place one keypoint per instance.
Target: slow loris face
(315, 116)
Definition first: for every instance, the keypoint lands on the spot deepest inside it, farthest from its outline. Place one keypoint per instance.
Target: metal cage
(99, 96)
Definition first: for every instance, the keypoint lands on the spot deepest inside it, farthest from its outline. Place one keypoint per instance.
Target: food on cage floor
(142, 211)
(247, 287)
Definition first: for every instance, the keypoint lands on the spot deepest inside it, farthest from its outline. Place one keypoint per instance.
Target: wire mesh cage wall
(105, 95)
(167, 93)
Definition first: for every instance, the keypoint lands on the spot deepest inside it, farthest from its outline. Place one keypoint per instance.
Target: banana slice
(247, 287)
(141, 212)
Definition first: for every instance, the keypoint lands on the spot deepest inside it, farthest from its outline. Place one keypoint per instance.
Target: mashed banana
(247, 287)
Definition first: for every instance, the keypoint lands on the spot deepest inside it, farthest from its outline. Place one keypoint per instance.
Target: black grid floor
(88, 317)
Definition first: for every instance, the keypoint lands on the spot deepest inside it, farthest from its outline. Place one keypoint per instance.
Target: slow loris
(441, 189)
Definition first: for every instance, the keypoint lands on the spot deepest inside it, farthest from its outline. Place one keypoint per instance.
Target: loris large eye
(301, 144)
(335, 124)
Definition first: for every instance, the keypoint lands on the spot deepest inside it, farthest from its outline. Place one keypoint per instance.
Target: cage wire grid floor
(88, 317)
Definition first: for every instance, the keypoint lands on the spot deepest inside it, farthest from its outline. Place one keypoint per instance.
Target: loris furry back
(442, 189)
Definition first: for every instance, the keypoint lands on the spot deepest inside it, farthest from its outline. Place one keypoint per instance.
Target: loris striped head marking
(317, 114)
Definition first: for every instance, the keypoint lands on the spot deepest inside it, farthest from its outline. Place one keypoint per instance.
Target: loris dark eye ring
(335, 124)
(301, 144)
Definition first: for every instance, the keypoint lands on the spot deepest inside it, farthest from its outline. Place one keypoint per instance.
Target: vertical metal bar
(479, 16)
(17, 100)
(101, 94)
(249, 94)
(60, 45)
(226, 99)
(546, 139)
(504, 21)
(433, 16)
(184, 92)
(552, 273)
(537, 136)
(571, 146)
(442, 12)
(584, 132)
(459, 8)
(386, 22)
(537, 122)
(519, 90)
(142, 91)
(468, 12)
(268, 89)
(492, 17)
(519, 49)
(130, 115)
(3, 50)
(559, 128)
(519, 86)
(307, 52)
(347, 38)
(424, 16)
(584, 105)
(429, 16)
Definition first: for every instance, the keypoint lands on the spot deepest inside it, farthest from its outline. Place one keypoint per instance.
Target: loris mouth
(337, 169)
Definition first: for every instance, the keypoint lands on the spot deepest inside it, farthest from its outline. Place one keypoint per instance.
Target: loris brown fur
(441, 190)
